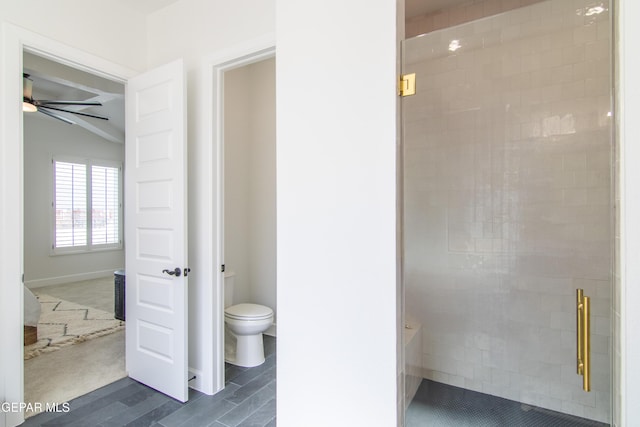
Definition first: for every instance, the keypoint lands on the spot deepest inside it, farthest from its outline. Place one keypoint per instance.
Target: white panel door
(156, 231)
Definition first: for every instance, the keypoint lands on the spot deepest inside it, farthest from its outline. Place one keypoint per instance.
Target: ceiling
(145, 6)
(422, 7)
(54, 81)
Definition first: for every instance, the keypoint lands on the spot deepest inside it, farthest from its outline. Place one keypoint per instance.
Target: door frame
(15, 41)
(212, 81)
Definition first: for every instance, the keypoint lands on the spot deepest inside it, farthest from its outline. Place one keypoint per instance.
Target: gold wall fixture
(407, 85)
(583, 335)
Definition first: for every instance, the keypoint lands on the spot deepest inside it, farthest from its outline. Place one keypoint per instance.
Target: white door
(156, 231)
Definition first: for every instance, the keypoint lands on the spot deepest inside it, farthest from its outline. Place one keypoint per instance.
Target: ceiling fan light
(28, 107)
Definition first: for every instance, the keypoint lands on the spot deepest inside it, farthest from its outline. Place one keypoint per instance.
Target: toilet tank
(229, 279)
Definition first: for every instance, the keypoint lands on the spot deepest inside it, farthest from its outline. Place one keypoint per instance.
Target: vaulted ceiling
(54, 81)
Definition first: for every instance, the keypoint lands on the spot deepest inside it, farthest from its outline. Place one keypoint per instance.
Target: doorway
(249, 149)
(250, 182)
(71, 252)
(15, 42)
(509, 209)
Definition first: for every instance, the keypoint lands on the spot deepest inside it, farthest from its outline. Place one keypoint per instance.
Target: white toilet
(244, 325)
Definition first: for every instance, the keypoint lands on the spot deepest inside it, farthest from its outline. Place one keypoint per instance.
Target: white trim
(628, 92)
(211, 81)
(50, 281)
(15, 40)
(196, 378)
(247, 50)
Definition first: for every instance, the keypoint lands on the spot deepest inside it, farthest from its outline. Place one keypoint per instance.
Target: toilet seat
(248, 312)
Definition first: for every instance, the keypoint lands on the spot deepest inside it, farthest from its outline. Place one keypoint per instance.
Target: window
(87, 206)
(105, 205)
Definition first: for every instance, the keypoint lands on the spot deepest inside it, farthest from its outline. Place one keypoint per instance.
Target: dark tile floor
(441, 405)
(248, 400)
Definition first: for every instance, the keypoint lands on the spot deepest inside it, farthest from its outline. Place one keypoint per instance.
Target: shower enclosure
(508, 166)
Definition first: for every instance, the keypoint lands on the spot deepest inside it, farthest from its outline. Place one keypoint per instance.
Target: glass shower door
(509, 203)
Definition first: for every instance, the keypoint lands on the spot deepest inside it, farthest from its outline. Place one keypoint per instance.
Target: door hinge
(222, 268)
(407, 85)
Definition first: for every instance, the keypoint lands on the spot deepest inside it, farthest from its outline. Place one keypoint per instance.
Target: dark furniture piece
(119, 294)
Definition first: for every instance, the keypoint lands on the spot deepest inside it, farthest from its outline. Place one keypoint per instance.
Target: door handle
(583, 335)
(175, 272)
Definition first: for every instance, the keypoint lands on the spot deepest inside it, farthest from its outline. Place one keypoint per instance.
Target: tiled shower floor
(440, 405)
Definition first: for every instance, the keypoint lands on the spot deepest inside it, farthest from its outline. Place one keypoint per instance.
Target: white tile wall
(509, 203)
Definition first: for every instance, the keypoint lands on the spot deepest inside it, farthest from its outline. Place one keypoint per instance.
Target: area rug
(63, 323)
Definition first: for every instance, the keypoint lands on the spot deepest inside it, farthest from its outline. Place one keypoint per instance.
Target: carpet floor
(76, 370)
(64, 323)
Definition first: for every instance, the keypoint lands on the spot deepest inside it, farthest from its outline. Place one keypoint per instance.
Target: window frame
(89, 247)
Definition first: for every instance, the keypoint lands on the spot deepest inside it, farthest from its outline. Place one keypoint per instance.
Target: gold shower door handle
(583, 335)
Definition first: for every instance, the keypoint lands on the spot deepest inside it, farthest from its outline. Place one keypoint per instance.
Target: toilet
(244, 325)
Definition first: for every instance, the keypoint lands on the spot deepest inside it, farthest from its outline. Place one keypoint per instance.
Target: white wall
(336, 97)
(263, 188)
(237, 172)
(192, 29)
(250, 181)
(43, 138)
(112, 32)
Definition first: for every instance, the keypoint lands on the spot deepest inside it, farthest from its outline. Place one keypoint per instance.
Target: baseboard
(195, 379)
(271, 331)
(50, 281)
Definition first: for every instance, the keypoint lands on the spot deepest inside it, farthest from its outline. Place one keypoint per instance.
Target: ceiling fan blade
(55, 116)
(93, 103)
(27, 86)
(73, 112)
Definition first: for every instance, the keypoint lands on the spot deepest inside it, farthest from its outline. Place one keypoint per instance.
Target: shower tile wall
(508, 202)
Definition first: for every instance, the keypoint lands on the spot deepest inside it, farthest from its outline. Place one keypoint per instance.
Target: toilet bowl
(244, 325)
(246, 322)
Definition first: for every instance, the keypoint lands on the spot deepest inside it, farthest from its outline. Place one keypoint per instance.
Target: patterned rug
(64, 323)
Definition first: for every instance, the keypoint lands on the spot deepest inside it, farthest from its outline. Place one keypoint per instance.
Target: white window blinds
(70, 204)
(105, 205)
(87, 206)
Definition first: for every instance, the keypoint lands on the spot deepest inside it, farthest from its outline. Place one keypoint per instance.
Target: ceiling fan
(50, 107)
